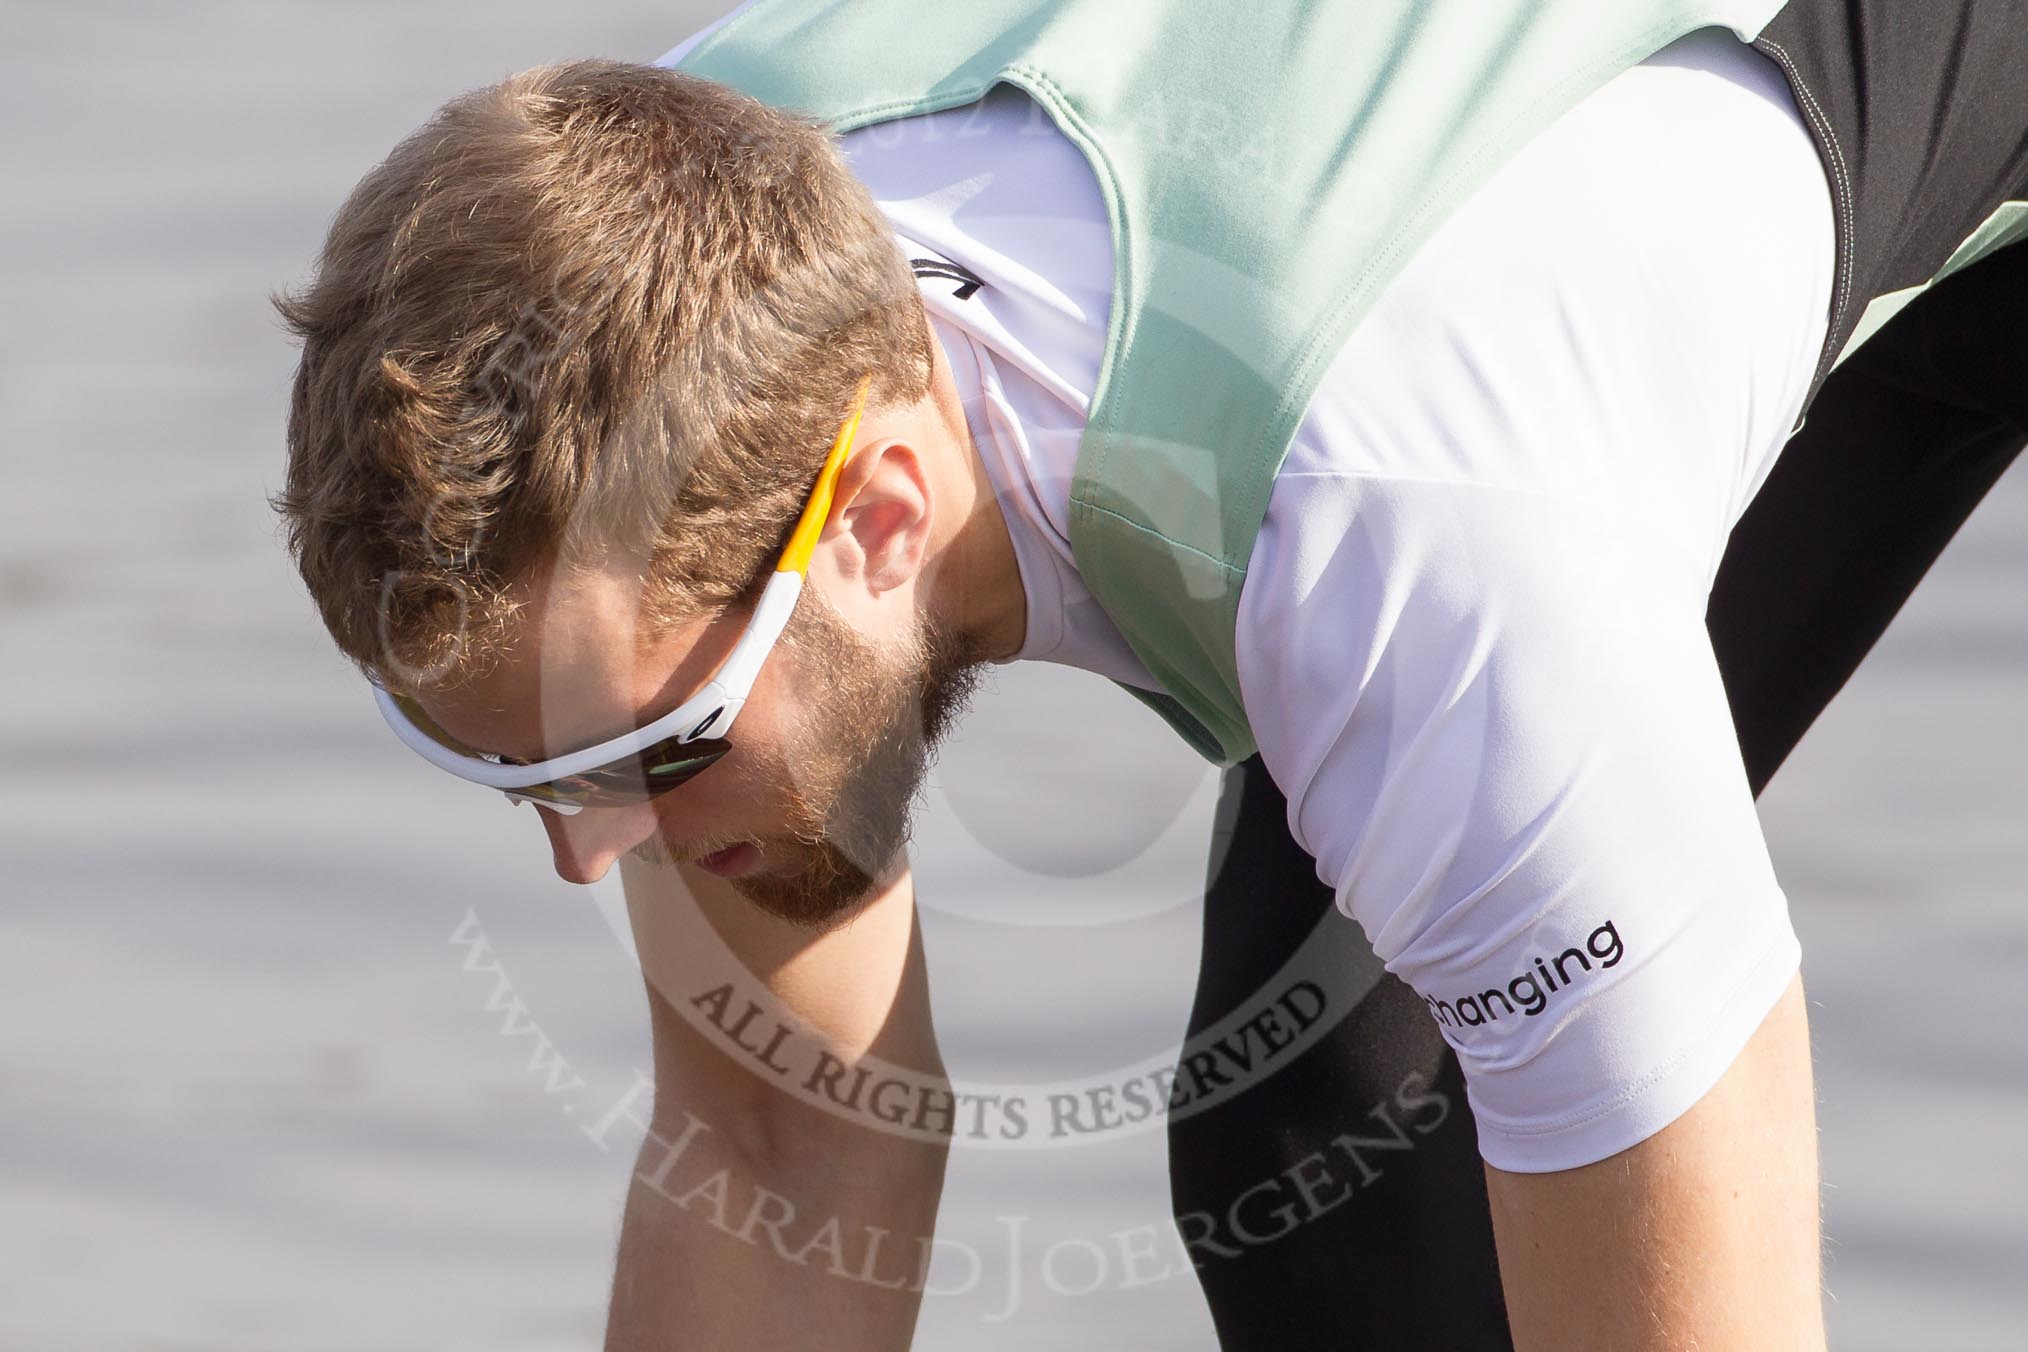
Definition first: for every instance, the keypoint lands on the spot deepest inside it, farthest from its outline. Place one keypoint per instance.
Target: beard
(870, 723)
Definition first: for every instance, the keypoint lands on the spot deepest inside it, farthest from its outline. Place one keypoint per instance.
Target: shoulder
(1654, 268)
(1591, 364)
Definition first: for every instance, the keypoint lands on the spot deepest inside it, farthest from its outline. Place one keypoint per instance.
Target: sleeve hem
(1663, 1097)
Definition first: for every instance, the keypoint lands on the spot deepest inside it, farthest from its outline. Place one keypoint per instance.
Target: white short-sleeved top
(1471, 638)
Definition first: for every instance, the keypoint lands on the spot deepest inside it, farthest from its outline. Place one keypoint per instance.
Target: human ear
(882, 531)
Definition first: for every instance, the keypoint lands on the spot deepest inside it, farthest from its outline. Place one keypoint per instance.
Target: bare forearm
(721, 1250)
(759, 1218)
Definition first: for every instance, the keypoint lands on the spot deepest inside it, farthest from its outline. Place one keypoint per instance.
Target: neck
(979, 584)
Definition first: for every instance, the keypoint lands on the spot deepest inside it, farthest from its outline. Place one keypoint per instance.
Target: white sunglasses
(674, 748)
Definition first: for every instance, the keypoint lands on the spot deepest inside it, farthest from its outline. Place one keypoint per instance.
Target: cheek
(779, 707)
(702, 807)
(738, 793)
(778, 730)
(781, 755)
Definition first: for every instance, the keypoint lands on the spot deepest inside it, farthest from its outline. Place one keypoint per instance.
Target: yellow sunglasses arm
(803, 543)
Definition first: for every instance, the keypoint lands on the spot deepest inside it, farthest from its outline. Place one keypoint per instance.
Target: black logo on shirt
(949, 271)
(1528, 994)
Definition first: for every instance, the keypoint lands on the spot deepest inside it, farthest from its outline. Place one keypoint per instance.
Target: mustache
(656, 850)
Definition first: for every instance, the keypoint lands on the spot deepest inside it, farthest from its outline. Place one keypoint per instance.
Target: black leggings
(1303, 1241)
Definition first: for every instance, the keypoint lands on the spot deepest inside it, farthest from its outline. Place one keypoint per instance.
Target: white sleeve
(1505, 741)
(1471, 637)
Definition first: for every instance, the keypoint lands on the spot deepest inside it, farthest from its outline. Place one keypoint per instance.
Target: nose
(585, 845)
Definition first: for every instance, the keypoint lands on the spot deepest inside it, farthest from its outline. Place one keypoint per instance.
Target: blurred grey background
(252, 1093)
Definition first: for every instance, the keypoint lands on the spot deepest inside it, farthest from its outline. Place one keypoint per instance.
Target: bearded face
(844, 778)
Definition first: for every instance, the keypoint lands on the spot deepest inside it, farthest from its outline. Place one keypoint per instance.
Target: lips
(731, 861)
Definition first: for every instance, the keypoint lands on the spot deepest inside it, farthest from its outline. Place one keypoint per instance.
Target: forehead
(580, 667)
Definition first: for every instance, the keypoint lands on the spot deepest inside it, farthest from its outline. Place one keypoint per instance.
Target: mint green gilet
(1267, 168)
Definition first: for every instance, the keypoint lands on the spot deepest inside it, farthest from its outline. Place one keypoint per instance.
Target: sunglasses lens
(633, 779)
(651, 771)
(667, 764)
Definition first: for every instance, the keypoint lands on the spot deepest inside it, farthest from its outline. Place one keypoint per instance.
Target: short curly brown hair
(595, 311)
